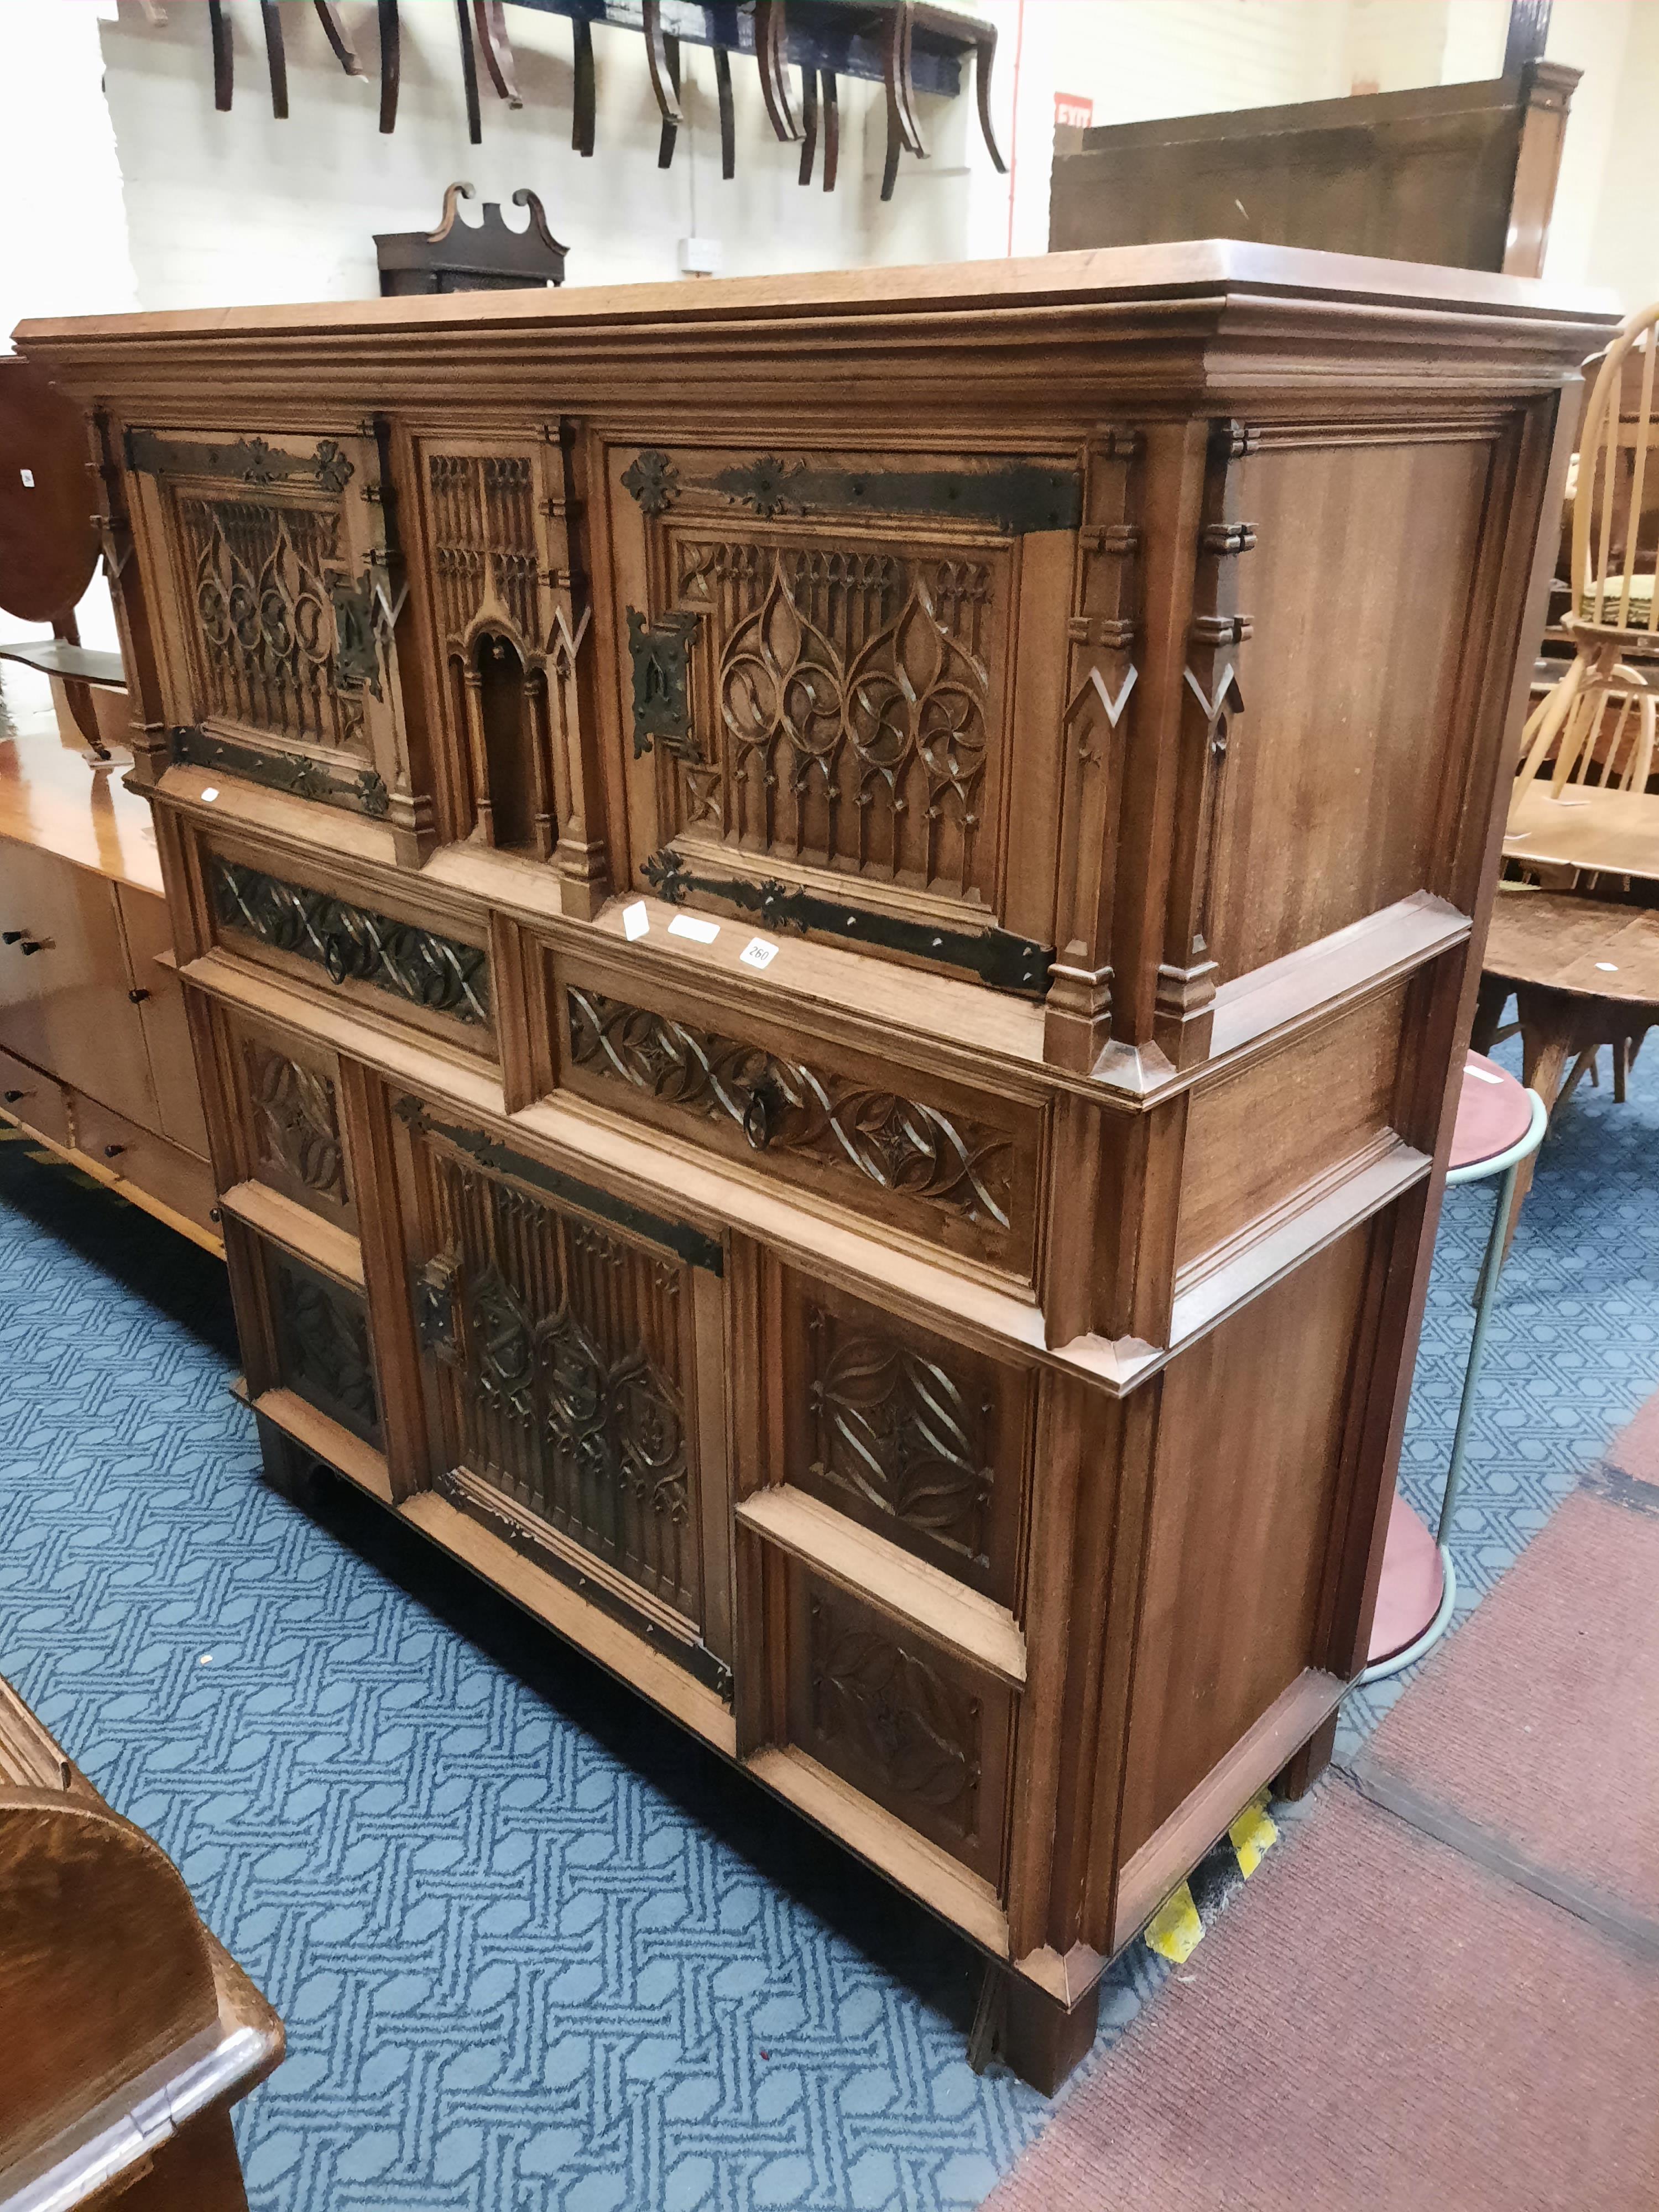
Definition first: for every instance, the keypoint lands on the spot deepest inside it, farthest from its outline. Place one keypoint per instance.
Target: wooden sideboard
(825, 922)
(94, 1047)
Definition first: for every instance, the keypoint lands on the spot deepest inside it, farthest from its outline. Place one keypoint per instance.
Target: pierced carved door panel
(283, 587)
(823, 657)
(574, 1347)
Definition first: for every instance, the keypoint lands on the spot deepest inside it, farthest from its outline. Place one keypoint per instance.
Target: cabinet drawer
(950, 1163)
(337, 937)
(35, 1099)
(904, 1723)
(156, 1167)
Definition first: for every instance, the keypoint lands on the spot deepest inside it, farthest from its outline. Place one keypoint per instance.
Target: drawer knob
(12, 1097)
(758, 1115)
(114, 1151)
(32, 944)
(138, 997)
(13, 936)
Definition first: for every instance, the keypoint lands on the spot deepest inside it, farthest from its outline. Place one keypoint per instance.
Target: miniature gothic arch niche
(502, 705)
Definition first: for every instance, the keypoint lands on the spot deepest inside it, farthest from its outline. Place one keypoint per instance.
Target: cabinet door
(574, 1347)
(274, 581)
(824, 654)
(161, 1017)
(72, 1013)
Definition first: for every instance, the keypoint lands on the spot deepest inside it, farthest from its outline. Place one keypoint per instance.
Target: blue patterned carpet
(534, 1948)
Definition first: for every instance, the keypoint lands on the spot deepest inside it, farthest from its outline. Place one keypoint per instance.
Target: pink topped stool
(1499, 1125)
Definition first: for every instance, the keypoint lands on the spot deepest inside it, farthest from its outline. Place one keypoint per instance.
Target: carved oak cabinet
(950, 1353)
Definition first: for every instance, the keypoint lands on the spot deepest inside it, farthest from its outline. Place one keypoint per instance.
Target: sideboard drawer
(334, 936)
(952, 1163)
(149, 1163)
(35, 1099)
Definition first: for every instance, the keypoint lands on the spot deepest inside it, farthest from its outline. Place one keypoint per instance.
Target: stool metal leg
(1492, 1267)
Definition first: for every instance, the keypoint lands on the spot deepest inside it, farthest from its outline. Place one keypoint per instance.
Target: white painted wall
(240, 207)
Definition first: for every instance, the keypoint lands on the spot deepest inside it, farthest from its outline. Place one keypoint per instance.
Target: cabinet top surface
(50, 799)
(1212, 272)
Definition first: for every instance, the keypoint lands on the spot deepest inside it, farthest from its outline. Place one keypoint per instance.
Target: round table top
(1493, 1112)
(1584, 946)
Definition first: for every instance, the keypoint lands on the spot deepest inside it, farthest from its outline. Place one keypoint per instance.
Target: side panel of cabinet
(1256, 1437)
(1352, 742)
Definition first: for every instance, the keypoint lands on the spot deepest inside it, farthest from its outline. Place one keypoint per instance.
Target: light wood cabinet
(92, 1026)
(826, 922)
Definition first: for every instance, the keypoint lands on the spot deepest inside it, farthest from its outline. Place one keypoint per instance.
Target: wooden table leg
(1493, 997)
(1549, 1032)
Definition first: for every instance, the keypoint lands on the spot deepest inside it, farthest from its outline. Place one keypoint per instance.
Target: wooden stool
(1500, 1127)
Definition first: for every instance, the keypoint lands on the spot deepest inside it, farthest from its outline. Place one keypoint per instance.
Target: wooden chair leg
(1585, 1064)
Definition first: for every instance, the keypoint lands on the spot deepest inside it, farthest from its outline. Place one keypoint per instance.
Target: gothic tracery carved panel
(901, 1432)
(786, 1107)
(263, 576)
(851, 719)
(564, 1349)
(897, 1725)
(322, 1333)
(295, 1122)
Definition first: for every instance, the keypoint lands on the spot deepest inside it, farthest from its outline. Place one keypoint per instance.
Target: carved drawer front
(287, 1115)
(281, 586)
(320, 1334)
(901, 1719)
(820, 682)
(335, 937)
(952, 1165)
(574, 1344)
(920, 1440)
